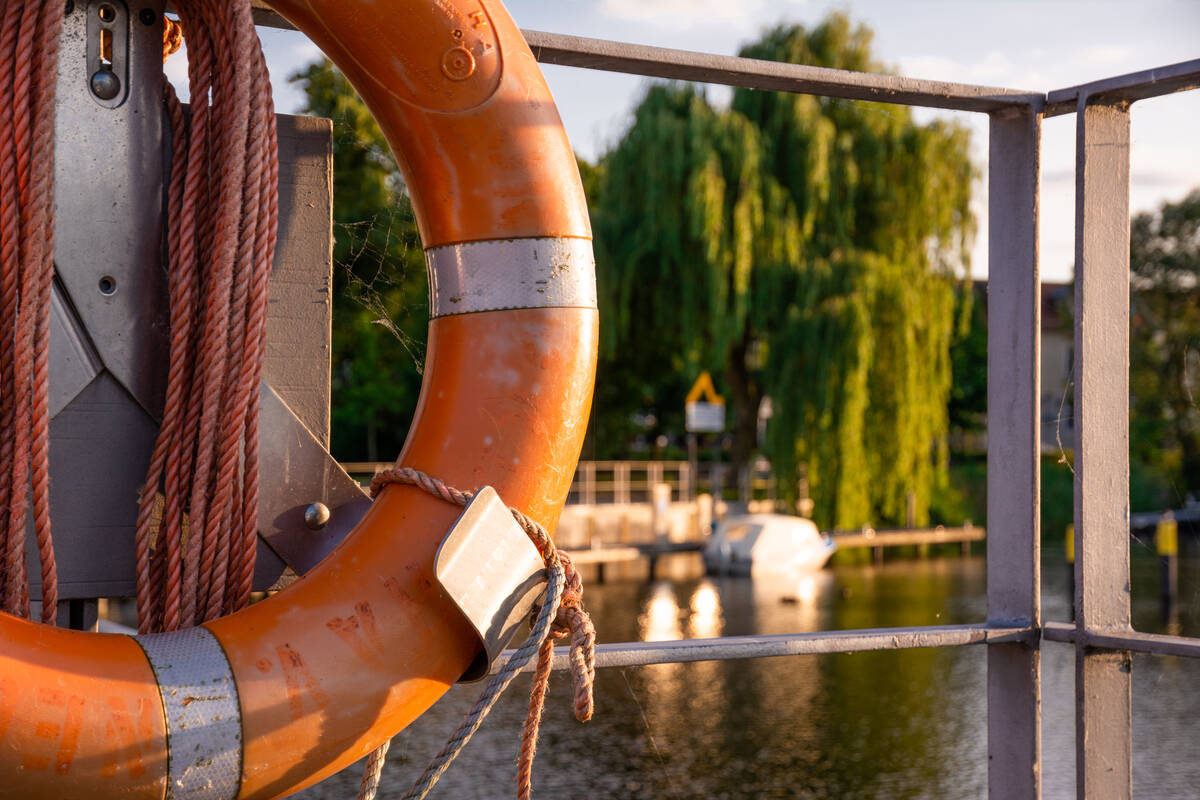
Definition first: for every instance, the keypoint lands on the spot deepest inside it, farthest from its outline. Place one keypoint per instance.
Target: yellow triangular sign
(703, 387)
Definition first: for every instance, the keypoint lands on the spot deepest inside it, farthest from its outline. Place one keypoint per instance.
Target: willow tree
(1164, 369)
(803, 249)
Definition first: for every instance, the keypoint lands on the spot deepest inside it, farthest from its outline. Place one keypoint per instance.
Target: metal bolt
(316, 516)
(458, 64)
(148, 16)
(105, 84)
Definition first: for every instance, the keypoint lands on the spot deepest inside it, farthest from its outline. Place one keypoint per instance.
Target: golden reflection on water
(698, 705)
(706, 620)
(660, 620)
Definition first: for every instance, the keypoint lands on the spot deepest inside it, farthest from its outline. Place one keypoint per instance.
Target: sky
(1018, 44)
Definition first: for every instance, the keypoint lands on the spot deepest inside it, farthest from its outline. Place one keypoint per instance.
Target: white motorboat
(766, 543)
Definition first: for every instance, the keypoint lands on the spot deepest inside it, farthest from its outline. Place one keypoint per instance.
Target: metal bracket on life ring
(492, 572)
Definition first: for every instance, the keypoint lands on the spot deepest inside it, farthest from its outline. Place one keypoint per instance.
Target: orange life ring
(366, 641)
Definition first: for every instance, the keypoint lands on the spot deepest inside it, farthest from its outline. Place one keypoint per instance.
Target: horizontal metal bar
(1134, 86)
(639, 654)
(1156, 643)
(661, 62)
(750, 73)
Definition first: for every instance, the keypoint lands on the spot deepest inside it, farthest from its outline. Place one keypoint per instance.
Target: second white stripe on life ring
(552, 272)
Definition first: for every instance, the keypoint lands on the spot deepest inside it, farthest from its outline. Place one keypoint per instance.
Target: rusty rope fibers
(198, 511)
(197, 520)
(29, 45)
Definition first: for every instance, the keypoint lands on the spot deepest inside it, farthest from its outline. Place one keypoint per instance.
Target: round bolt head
(458, 64)
(105, 84)
(316, 516)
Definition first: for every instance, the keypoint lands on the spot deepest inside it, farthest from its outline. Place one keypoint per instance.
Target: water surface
(903, 724)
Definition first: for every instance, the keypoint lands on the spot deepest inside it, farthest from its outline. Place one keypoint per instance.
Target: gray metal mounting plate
(109, 324)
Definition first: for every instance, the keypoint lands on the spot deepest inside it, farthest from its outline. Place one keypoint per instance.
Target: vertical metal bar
(1013, 497)
(1103, 702)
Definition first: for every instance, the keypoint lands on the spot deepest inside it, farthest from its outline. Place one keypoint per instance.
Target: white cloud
(994, 68)
(688, 14)
(175, 68)
(930, 67)
(1108, 54)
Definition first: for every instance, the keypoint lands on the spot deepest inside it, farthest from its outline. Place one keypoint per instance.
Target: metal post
(654, 475)
(1103, 753)
(589, 482)
(660, 512)
(621, 481)
(1014, 669)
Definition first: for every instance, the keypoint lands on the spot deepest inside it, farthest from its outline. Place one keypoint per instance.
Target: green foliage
(1058, 492)
(968, 363)
(380, 306)
(964, 494)
(823, 233)
(1164, 371)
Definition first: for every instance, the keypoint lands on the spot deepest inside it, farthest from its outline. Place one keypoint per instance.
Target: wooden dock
(631, 552)
(922, 538)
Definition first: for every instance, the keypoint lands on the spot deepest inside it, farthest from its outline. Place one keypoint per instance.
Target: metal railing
(1102, 635)
(624, 482)
(634, 481)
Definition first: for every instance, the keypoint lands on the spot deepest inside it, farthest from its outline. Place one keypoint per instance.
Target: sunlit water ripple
(907, 724)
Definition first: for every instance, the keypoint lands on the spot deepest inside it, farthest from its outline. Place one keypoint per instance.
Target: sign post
(705, 409)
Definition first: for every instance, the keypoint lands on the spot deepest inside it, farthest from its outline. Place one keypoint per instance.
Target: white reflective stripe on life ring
(497, 274)
(203, 718)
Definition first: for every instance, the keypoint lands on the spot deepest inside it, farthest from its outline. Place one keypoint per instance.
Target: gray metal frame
(1014, 682)
(1102, 634)
(108, 345)
(1103, 687)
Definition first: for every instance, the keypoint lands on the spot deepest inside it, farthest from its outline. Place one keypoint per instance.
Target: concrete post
(704, 515)
(660, 512)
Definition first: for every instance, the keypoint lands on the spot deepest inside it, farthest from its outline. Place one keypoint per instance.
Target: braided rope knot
(564, 616)
(572, 620)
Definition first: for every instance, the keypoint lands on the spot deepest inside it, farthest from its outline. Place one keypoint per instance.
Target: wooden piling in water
(1069, 559)
(1166, 544)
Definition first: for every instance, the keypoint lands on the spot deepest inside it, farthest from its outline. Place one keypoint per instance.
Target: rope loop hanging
(560, 614)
